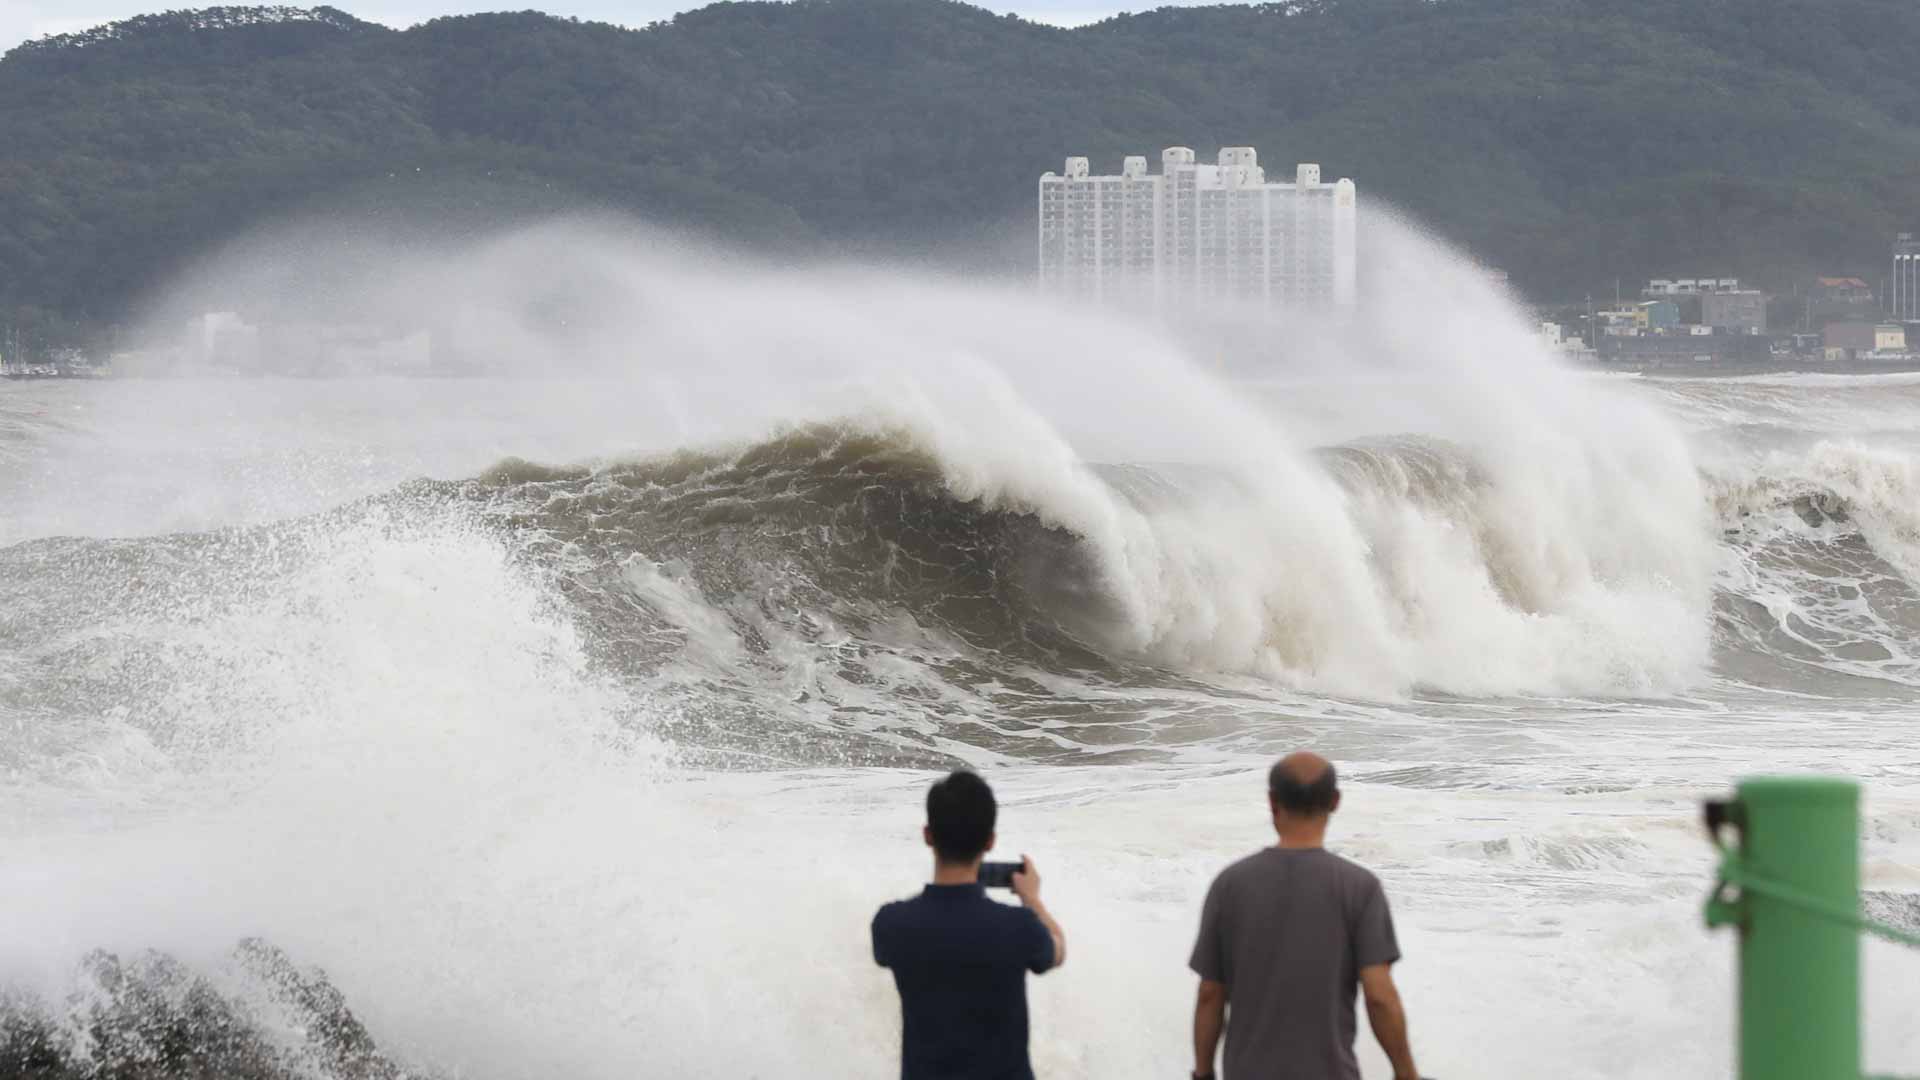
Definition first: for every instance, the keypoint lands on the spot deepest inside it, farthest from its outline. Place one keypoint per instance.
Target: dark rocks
(151, 1018)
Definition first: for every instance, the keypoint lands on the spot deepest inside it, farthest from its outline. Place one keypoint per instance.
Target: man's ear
(926, 833)
(991, 837)
(1336, 803)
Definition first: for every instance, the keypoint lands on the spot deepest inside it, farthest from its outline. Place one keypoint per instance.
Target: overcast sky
(23, 19)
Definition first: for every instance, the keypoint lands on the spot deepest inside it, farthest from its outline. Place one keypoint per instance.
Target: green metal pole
(1800, 973)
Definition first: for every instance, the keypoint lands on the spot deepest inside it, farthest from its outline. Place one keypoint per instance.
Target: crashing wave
(1821, 574)
(1388, 567)
(152, 1017)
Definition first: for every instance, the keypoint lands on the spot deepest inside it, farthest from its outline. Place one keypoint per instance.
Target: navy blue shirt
(961, 962)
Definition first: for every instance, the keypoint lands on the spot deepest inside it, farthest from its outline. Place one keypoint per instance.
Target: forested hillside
(1569, 141)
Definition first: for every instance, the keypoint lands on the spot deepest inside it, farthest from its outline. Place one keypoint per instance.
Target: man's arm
(1209, 961)
(880, 939)
(1209, 1020)
(1026, 885)
(1389, 1019)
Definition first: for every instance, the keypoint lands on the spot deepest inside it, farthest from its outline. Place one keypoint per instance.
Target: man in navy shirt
(959, 959)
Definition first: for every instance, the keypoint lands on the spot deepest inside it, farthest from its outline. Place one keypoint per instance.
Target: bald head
(1304, 784)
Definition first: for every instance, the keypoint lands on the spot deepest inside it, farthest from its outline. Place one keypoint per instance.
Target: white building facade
(1903, 288)
(1663, 287)
(1099, 235)
(1197, 231)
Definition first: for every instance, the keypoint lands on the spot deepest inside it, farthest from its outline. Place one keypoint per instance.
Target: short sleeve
(1036, 944)
(881, 953)
(1373, 938)
(1209, 960)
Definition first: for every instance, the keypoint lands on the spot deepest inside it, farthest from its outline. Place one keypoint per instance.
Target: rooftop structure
(1197, 231)
(1660, 287)
(1841, 288)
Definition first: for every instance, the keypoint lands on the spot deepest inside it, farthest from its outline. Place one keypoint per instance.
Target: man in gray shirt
(1285, 937)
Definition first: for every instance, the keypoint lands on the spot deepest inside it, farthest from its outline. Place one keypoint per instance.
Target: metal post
(1799, 971)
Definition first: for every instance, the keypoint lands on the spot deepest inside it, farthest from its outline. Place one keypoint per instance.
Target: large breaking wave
(1378, 568)
(847, 577)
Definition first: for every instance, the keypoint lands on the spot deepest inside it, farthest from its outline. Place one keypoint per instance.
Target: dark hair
(1295, 797)
(960, 813)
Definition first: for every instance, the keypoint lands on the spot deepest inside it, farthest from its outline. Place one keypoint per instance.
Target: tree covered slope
(1569, 141)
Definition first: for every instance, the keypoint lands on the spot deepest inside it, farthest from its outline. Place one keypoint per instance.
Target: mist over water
(575, 716)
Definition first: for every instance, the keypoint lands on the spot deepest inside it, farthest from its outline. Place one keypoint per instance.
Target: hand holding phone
(998, 875)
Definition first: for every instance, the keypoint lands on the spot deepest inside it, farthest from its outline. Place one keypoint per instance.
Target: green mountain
(1568, 141)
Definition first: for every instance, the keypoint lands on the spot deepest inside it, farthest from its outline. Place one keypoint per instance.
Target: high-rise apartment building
(1099, 235)
(1903, 289)
(1196, 231)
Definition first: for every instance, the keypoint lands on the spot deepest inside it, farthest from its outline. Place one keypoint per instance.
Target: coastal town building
(1843, 291)
(1626, 322)
(1681, 350)
(1741, 311)
(1903, 287)
(1865, 340)
(1659, 287)
(1197, 232)
(1556, 339)
(1837, 299)
(1715, 324)
(1657, 316)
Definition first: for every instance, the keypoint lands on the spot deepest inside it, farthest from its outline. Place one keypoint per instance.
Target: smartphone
(998, 875)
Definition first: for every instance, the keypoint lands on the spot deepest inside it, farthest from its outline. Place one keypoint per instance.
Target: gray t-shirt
(1287, 931)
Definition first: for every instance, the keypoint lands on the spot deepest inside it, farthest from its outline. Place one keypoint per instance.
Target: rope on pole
(1733, 872)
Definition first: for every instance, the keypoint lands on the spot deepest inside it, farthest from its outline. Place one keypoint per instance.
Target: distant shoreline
(1705, 371)
(1910, 366)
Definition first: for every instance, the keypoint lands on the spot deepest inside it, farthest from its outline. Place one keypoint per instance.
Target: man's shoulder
(894, 912)
(1251, 867)
(987, 923)
(1242, 867)
(1348, 868)
(922, 909)
(1273, 861)
(1353, 881)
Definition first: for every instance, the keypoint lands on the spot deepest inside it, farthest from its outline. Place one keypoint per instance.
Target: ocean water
(575, 723)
